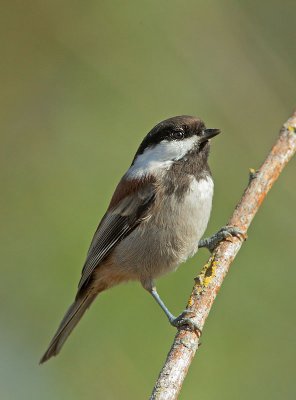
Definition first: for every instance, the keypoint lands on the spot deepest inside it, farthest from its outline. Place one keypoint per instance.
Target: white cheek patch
(160, 157)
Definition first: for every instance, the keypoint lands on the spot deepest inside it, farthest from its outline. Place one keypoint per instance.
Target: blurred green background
(82, 83)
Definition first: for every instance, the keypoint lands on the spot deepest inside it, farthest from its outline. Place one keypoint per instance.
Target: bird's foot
(185, 321)
(225, 233)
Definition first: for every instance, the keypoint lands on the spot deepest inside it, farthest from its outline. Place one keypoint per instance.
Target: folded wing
(123, 216)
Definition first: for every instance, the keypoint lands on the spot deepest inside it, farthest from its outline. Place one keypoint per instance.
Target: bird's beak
(209, 133)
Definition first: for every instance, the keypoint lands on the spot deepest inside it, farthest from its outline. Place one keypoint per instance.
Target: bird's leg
(184, 320)
(156, 296)
(224, 233)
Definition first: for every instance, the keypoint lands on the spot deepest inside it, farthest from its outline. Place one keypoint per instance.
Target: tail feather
(70, 320)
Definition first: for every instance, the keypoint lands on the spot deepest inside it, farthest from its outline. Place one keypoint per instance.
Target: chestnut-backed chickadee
(155, 220)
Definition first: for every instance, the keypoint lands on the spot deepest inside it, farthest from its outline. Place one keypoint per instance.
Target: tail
(70, 320)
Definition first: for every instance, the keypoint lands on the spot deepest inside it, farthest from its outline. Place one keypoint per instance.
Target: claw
(226, 233)
(185, 321)
(238, 233)
(229, 238)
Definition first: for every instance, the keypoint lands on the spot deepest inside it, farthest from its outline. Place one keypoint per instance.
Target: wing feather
(116, 224)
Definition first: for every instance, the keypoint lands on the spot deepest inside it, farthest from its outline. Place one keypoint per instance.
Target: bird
(155, 220)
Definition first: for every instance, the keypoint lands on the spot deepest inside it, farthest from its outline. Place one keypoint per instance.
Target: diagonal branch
(209, 281)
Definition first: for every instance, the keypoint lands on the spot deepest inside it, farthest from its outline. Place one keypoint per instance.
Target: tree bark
(209, 281)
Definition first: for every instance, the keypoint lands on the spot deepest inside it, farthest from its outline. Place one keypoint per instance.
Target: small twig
(209, 281)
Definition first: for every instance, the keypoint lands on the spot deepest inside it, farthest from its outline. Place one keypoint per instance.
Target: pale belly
(170, 236)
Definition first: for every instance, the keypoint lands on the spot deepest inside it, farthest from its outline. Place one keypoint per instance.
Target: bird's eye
(177, 135)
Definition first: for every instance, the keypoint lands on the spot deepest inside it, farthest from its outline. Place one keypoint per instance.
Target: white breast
(197, 209)
(190, 215)
(170, 235)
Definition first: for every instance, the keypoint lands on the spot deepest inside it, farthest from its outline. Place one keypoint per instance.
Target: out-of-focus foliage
(81, 84)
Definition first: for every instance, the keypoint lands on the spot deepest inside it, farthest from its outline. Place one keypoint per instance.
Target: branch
(209, 281)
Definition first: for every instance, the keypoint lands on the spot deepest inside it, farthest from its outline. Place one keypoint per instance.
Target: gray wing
(116, 224)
